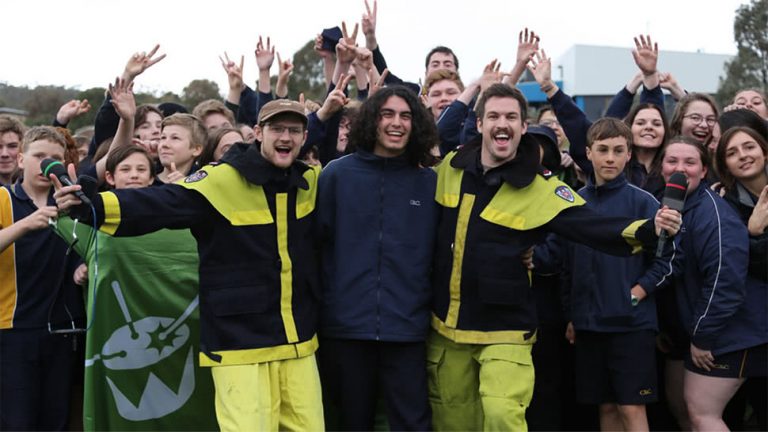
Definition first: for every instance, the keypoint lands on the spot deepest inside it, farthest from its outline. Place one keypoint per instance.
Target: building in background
(592, 74)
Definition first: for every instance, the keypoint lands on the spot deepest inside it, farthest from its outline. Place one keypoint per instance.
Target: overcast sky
(85, 43)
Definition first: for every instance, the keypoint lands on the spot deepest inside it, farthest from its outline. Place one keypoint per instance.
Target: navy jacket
(378, 221)
(711, 269)
(597, 285)
(450, 124)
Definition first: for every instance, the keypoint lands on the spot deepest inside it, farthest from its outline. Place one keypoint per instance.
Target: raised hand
(369, 24)
(376, 83)
(669, 82)
(123, 101)
(527, 45)
(346, 51)
(491, 75)
(234, 72)
(646, 54)
(541, 67)
(141, 61)
(335, 100)
(72, 109)
(364, 58)
(265, 54)
(284, 72)
(319, 48)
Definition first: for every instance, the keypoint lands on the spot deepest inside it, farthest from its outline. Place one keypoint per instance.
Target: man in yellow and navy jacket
(495, 206)
(253, 218)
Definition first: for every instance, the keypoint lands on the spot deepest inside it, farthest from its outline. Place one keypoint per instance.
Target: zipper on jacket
(378, 272)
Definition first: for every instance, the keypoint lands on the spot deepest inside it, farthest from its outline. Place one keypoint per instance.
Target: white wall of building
(589, 70)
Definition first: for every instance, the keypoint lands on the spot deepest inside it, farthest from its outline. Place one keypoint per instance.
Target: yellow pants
(271, 396)
(478, 387)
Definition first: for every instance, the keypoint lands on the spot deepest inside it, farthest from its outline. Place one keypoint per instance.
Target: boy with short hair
(608, 298)
(182, 140)
(11, 133)
(37, 296)
(214, 114)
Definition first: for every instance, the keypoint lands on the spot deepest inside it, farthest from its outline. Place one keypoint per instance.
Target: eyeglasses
(697, 118)
(550, 123)
(279, 130)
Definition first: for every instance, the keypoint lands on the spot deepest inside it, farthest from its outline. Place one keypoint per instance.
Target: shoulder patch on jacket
(196, 176)
(565, 193)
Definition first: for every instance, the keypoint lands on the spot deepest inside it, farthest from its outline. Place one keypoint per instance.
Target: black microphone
(51, 166)
(674, 198)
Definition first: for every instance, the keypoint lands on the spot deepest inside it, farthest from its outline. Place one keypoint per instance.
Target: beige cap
(280, 106)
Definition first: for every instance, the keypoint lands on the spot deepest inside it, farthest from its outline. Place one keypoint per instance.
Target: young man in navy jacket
(377, 216)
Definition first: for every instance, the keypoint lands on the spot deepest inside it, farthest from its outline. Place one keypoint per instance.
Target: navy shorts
(616, 367)
(746, 363)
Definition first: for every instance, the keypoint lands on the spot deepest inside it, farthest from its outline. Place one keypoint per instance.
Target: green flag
(141, 360)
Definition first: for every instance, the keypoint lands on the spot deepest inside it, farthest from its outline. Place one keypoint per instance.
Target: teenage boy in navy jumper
(609, 299)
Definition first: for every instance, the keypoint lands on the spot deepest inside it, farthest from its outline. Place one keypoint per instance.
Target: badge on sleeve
(565, 193)
(196, 177)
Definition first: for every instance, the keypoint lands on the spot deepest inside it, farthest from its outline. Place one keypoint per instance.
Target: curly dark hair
(363, 132)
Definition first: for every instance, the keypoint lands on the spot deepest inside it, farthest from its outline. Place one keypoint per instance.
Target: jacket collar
(518, 172)
(247, 160)
(396, 161)
(614, 184)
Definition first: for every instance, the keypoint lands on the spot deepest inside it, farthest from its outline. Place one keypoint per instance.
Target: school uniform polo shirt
(35, 270)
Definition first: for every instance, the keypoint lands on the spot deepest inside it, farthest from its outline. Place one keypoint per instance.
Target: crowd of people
(445, 251)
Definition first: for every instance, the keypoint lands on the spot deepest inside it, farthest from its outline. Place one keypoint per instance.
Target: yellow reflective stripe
(458, 259)
(261, 355)
(629, 234)
(532, 206)
(240, 202)
(111, 213)
(483, 337)
(305, 199)
(8, 288)
(286, 268)
(448, 188)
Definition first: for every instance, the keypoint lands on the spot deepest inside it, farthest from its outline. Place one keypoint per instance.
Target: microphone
(674, 198)
(51, 166)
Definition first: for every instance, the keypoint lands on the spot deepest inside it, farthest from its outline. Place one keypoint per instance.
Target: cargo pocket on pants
(435, 357)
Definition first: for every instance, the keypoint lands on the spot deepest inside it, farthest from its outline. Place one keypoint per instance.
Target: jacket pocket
(238, 300)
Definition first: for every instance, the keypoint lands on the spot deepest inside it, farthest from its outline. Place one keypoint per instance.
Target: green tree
(308, 76)
(749, 68)
(199, 90)
(43, 103)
